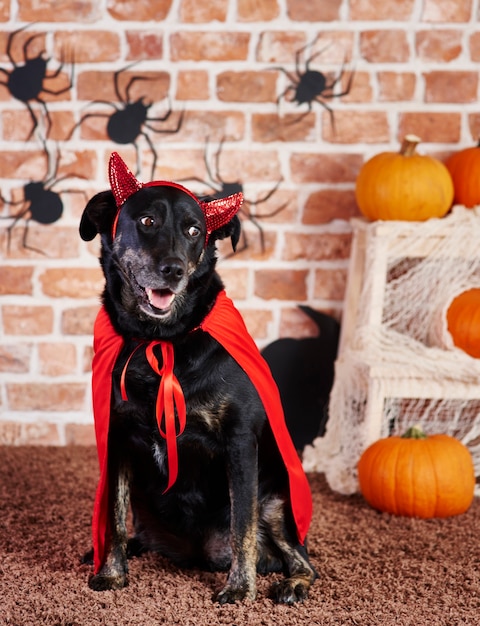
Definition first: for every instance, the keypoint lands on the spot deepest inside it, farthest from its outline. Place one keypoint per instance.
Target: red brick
(317, 247)
(235, 280)
(475, 47)
(396, 86)
(16, 280)
(296, 324)
(386, 10)
(216, 125)
(360, 88)
(100, 85)
(15, 358)
(209, 46)
(144, 45)
(430, 126)
(254, 11)
(279, 46)
(384, 46)
(52, 241)
(57, 358)
(268, 127)
(249, 247)
(87, 359)
(88, 46)
(80, 434)
(446, 11)
(281, 284)
(474, 126)
(438, 45)
(257, 322)
(326, 205)
(45, 396)
(76, 282)
(79, 321)
(237, 165)
(46, 11)
(443, 86)
(356, 127)
(17, 42)
(308, 11)
(330, 284)
(23, 434)
(4, 11)
(203, 12)
(27, 320)
(247, 86)
(132, 10)
(26, 164)
(325, 168)
(192, 85)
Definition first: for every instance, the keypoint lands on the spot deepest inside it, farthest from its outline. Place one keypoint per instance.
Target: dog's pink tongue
(160, 298)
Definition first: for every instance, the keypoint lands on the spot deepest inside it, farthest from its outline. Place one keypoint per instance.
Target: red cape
(225, 324)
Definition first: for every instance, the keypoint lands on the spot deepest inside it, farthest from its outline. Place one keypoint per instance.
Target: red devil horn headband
(124, 184)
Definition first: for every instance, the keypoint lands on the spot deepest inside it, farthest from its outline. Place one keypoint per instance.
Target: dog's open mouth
(160, 299)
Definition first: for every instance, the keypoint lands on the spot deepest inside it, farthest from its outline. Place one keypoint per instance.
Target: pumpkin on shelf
(404, 185)
(464, 168)
(417, 475)
(463, 321)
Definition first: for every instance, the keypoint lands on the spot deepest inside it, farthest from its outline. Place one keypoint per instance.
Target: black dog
(183, 433)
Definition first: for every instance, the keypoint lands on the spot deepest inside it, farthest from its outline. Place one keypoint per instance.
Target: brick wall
(215, 65)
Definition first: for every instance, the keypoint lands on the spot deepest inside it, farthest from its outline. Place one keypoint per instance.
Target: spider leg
(154, 154)
(57, 72)
(34, 120)
(43, 104)
(25, 237)
(264, 198)
(166, 130)
(16, 219)
(116, 85)
(86, 116)
(330, 112)
(11, 37)
(315, 55)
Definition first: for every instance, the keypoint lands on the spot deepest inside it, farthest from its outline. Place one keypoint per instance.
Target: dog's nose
(172, 270)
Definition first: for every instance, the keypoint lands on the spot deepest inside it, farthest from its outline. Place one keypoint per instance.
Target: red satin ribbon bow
(170, 405)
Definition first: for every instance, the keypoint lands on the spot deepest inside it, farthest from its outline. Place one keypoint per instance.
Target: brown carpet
(375, 569)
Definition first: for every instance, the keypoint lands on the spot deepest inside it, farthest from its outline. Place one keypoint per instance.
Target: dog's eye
(193, 231)
(147, 221)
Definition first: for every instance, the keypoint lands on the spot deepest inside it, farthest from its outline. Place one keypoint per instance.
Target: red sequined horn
(124, 184)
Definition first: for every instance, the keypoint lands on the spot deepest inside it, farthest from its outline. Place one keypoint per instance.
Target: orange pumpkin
(464, 168)
(463, 321)
(404, 186)
(417, 475)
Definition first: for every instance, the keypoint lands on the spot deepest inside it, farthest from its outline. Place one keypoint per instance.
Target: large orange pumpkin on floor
(417, 475)
(404, 185)
(463, 321)
(464, 168)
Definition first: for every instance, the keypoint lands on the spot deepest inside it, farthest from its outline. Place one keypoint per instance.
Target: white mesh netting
(397, 365)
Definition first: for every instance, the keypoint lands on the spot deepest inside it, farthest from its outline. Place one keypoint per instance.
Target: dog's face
(158, 245)
(159, 242)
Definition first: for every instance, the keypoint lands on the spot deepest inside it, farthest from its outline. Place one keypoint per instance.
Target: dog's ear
(98, 215)
(232, 229)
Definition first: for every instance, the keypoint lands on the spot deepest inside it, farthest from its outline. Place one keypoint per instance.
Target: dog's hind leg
(301, 574)
(113, 573)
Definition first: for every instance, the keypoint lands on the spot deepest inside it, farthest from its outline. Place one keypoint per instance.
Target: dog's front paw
(289, 591)
(106, 582)
(230, 595)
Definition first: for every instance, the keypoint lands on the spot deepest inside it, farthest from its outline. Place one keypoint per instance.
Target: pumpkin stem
(409, 144)
(414, 432)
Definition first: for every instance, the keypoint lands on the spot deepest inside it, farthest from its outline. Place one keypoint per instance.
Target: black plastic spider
(40, 202)
(26, 82)
(311, 85)
(129, 118)
(223, 188)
